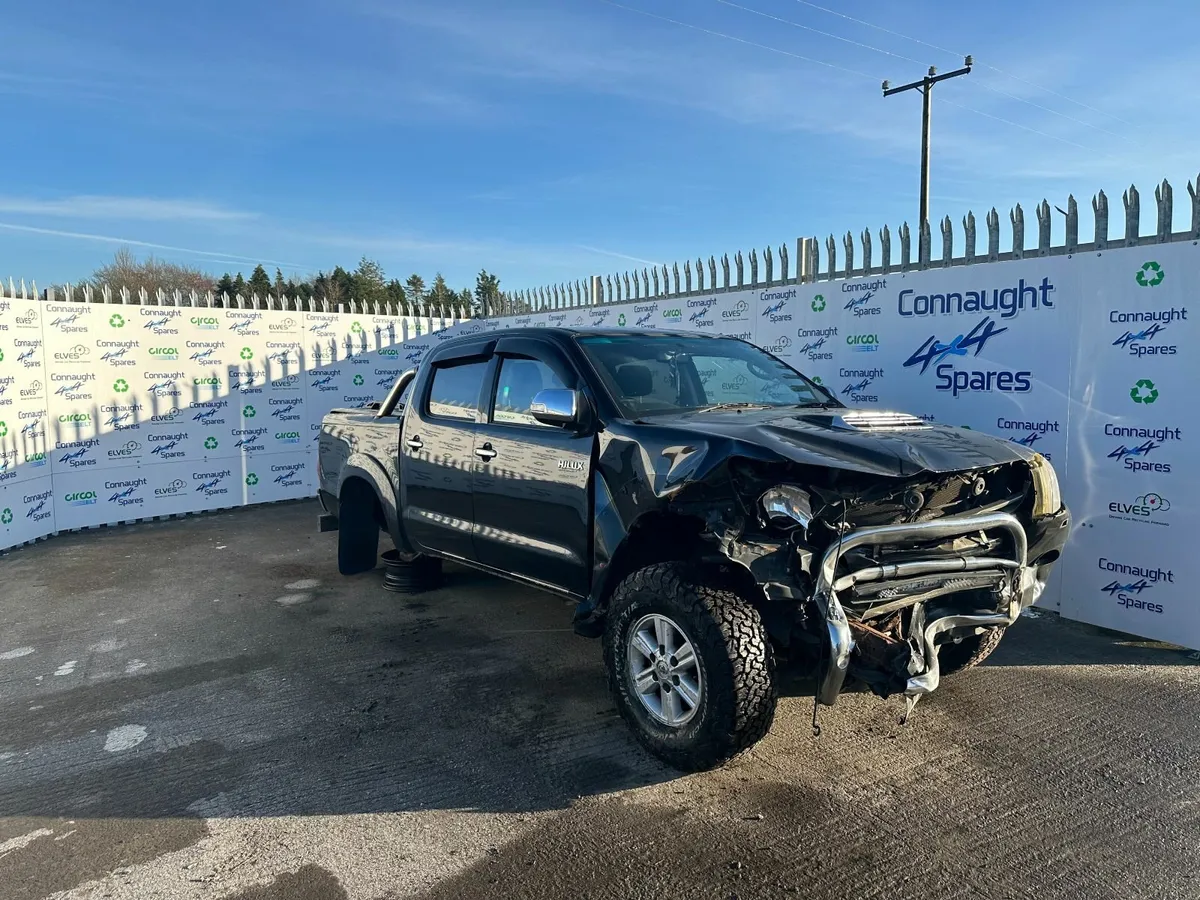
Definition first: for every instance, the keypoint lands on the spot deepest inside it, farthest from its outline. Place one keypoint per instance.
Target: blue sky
(553, 139)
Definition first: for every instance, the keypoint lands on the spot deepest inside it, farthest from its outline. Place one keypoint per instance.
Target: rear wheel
(969, 652)
(689, 666)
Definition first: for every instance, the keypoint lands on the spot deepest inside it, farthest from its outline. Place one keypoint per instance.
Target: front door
(436, 449)
(532, 509)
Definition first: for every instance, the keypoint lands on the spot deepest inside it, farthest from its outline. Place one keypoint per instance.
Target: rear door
(531, 487)
(438, 462)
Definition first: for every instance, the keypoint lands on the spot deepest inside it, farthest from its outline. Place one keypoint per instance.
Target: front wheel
(969, 652)
(689, 666)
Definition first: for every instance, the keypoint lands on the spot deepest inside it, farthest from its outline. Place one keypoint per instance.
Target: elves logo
(1146, 508)
(77, 354)
(738, 311)
(178, 486)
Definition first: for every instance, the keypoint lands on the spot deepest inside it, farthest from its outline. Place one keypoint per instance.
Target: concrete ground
(203, 708)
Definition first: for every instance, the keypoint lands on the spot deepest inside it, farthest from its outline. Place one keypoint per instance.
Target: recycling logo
(818, 304)
(1150, 274)
(120, 385)
(251, 479)
(620, 321)
(358, 379)
(116, 320)
(249, 412)
(3, 429)
(355, 327)
(210, 443)
(6, 516)
(247, 353)
(816, 379)
(1, 356)
(1144, 391)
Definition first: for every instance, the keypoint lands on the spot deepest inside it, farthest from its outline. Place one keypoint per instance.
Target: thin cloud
(93, 206)
(109, 239)
(602, 252)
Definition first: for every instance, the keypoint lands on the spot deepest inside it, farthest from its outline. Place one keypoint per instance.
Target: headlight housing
(1047, 500)
(787, 506)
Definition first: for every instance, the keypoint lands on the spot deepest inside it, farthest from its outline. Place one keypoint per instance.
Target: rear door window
(454, 393)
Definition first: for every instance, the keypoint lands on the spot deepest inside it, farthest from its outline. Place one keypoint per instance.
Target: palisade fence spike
(969, 237)
(628, 295)
(784, 268)
(12, 288)
(608, 292)
(1100, 212)
(325, 304)
(675, 275)
(87, 293)
(143, 297)
(1071, 238)
(1133, 215)
(768, 265)
(666, 281)
(160, 297)
(700, 274)
(125, 296)
(905, 247)
(23, 296)
(1194, 193)
(865, 238)
(831, 256)
(645, 282)
(848, 246)
(687, 275)
(814, 258)
(993, 226)
(947, 242)
(712, 266)
(1165, 197)
(657, 290)
(1016, 215)
(69, 291)
(1043, 217)
(740, 264)
(885, 249)
(924, 245)
(753, 267)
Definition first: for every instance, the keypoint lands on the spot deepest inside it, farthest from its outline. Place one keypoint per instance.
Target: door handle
(414, 443)
(485, 452)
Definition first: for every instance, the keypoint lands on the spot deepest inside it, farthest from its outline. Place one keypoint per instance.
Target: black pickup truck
(714, 513)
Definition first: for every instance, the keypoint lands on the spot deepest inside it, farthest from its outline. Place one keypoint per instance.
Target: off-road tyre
(358, 529)
(410, 573)
(970, 652)
(737, 704)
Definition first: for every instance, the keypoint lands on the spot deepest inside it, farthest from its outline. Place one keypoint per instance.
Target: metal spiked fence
(858, 258)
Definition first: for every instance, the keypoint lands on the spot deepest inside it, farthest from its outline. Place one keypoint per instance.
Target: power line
(739, 40)
(836, 37)
(834, 12)
(819, 62)
(1019, 125)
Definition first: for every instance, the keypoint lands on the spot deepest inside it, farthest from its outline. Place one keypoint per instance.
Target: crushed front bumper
(1026, 568)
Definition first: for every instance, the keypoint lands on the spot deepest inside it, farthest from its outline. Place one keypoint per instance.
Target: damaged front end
(876, 575)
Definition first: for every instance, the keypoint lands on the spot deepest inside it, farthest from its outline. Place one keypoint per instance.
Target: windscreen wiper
(739, 405)
(821, 404)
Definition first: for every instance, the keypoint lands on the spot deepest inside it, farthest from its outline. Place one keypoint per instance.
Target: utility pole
(925, 86)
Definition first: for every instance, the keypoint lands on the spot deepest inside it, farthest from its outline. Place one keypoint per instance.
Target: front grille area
(946, 496)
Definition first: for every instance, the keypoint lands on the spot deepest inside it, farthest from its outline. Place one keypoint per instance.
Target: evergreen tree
(369, 283)
(224, 286)
(260, 281)
(239, 286)
(415, 288)
(396, 296)
(487, 293)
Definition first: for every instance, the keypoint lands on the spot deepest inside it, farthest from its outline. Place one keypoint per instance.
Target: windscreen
(654, 374)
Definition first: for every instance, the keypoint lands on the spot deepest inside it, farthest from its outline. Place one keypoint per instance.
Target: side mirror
(557, 406)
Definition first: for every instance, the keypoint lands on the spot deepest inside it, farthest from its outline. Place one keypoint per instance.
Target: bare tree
(127, 271)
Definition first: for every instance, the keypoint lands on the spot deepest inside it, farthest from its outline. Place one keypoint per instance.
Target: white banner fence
(112, 413)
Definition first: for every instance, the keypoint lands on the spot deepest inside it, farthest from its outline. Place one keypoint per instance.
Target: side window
(519, 382)
(454, 393)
